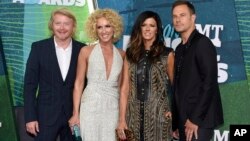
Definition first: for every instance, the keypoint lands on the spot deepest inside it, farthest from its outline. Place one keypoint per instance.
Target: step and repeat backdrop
(225, 22)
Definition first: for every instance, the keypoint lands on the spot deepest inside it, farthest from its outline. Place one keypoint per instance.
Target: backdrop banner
(7, 124)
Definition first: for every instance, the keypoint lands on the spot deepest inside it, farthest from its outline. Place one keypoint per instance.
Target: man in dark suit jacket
(197, 107)
(51, 69)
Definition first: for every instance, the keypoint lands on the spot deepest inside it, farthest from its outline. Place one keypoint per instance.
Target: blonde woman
(95, 108)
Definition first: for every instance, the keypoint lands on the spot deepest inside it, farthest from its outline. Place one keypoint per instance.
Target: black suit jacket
(197, 95)
(43, 74)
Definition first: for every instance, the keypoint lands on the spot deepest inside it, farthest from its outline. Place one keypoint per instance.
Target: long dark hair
(136, 45)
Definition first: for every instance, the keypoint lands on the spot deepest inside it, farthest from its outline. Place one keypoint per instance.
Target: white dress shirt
(63, 58)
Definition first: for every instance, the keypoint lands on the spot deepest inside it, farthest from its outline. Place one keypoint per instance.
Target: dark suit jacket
(197, 95)
(43, 74)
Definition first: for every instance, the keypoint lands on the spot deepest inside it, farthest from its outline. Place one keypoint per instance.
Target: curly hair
(65, 12)
(112, 16)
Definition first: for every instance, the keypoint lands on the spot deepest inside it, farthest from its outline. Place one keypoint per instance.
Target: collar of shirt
(69, 47)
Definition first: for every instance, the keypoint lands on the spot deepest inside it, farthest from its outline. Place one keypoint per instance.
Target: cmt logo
(239, 132)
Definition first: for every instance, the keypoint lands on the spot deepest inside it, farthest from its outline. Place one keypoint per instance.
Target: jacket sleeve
(31, 80)
(207, 66)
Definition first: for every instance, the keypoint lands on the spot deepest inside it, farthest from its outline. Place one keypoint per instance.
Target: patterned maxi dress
(148, 99)
(99, 103)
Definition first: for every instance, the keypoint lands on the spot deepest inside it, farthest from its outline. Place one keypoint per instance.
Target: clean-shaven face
(149, 29)
(105, 30)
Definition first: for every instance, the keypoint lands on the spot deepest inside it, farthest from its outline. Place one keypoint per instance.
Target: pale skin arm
(124, 92)
(120, 77)
(78, 85)
(170, 68)
(170, 73)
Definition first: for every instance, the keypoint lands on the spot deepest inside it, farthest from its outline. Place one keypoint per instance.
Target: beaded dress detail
(99, 104)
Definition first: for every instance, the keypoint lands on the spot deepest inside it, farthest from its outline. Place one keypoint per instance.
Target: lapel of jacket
(72, 60)
(57, 72)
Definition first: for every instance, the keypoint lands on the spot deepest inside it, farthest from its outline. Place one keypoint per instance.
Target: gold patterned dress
(149, 99)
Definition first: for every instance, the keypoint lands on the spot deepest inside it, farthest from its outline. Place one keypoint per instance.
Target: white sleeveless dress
(99, 104)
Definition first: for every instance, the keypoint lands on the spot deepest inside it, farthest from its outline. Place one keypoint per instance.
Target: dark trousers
(51, 132)
(204, 134)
